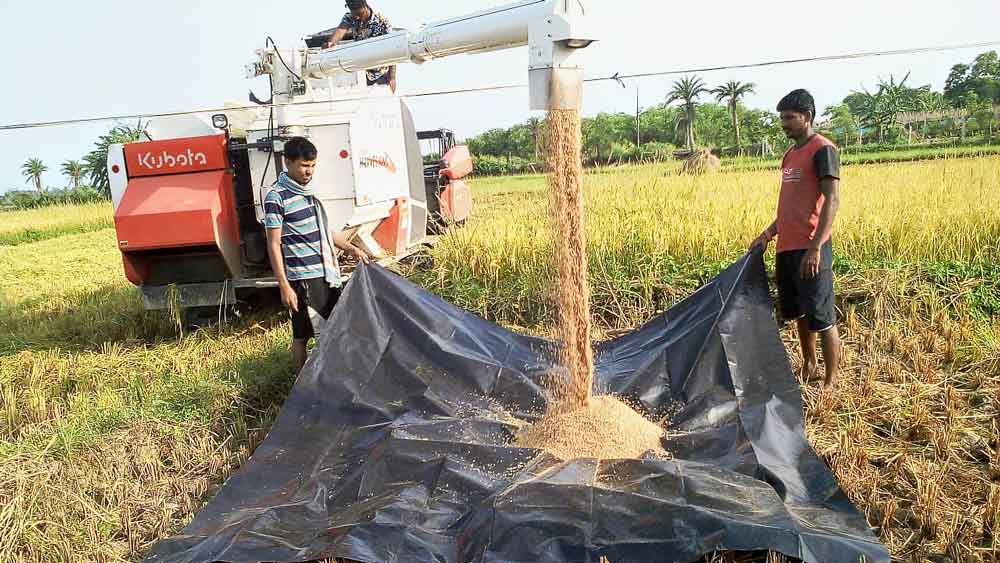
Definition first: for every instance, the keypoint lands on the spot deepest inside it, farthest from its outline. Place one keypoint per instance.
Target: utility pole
(638, 133)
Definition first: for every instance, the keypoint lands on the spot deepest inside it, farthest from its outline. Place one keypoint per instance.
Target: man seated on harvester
(364, 23)
(301, 245)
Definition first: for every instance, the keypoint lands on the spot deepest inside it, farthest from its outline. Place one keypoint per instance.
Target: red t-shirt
(801, 200)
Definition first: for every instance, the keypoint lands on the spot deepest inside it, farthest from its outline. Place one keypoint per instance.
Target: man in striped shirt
(302, 245)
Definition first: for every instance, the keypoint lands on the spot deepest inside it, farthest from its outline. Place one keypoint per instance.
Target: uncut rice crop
(18, 227)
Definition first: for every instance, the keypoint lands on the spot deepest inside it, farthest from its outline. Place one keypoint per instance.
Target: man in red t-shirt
(807, 207)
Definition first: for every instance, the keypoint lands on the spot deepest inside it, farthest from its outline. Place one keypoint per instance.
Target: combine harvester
(188, 199)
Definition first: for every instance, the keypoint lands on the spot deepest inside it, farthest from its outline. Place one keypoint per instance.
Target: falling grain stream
(572, 289)
(577, 424)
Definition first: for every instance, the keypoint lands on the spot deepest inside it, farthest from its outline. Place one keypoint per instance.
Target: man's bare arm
(288, 296)
(341, 241)
(830, 187)
(337, 37)
(766, 236)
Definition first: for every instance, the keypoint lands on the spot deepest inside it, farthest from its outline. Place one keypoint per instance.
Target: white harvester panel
(380, 152)
(334, 179)
(363, 166)
(117, 173)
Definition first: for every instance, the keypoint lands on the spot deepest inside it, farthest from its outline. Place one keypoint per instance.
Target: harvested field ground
(113, 431)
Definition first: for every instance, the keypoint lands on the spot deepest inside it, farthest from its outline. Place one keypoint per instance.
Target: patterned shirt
(301, 241)
(376, 26)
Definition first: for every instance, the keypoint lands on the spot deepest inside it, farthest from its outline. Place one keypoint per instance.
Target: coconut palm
(688, 89)
(33, 170)
(733, 91)
(74, 170)
(97, 160)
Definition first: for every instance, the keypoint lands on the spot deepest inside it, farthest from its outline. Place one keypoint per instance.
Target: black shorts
(314, 293)
(811, 299)
(382, 80)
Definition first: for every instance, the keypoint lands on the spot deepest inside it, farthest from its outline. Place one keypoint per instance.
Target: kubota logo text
(379, 161)
(167, 160)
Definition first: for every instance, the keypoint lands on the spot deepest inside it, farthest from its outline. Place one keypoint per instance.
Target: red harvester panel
(176, 156)
(456, 201)
(393, 233)
(459, 162)
(175, 212)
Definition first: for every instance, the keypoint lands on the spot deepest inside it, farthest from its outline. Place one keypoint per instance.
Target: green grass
(850, 158)
(23, 226)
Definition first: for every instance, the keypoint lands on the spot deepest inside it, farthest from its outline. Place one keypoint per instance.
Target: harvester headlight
(220, 121)
(576, 43)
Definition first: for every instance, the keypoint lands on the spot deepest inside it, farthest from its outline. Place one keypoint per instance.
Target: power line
(827, 58)
(616, 77)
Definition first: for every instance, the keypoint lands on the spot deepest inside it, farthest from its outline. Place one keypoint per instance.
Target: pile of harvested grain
(578, 425)
(701, 162)
(572, 290)
(606, 428)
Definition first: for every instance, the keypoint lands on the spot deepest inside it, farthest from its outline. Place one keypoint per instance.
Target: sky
(70, 59)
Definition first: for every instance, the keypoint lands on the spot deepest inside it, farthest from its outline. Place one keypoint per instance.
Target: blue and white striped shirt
(301, 240)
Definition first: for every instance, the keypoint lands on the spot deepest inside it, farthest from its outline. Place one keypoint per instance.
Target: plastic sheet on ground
(394, 445)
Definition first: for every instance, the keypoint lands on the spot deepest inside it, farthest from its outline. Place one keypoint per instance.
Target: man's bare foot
(808, 372)
(829, 383)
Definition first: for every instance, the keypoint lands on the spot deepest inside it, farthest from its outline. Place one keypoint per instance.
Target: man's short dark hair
(356, 4)
(800, 101)
(300, 148)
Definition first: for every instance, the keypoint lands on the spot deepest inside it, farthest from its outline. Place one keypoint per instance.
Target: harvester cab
(189, 197)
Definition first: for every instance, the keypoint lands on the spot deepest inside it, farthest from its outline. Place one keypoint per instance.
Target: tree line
(87, 177)
(693, 114)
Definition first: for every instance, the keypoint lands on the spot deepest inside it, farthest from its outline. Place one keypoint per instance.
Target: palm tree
(733, 91)
(929, 102)
(881, 108)
(688, 89)
(33, 170)
(97, 160)
(74, 170)
(535, 125)
(898, 97)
